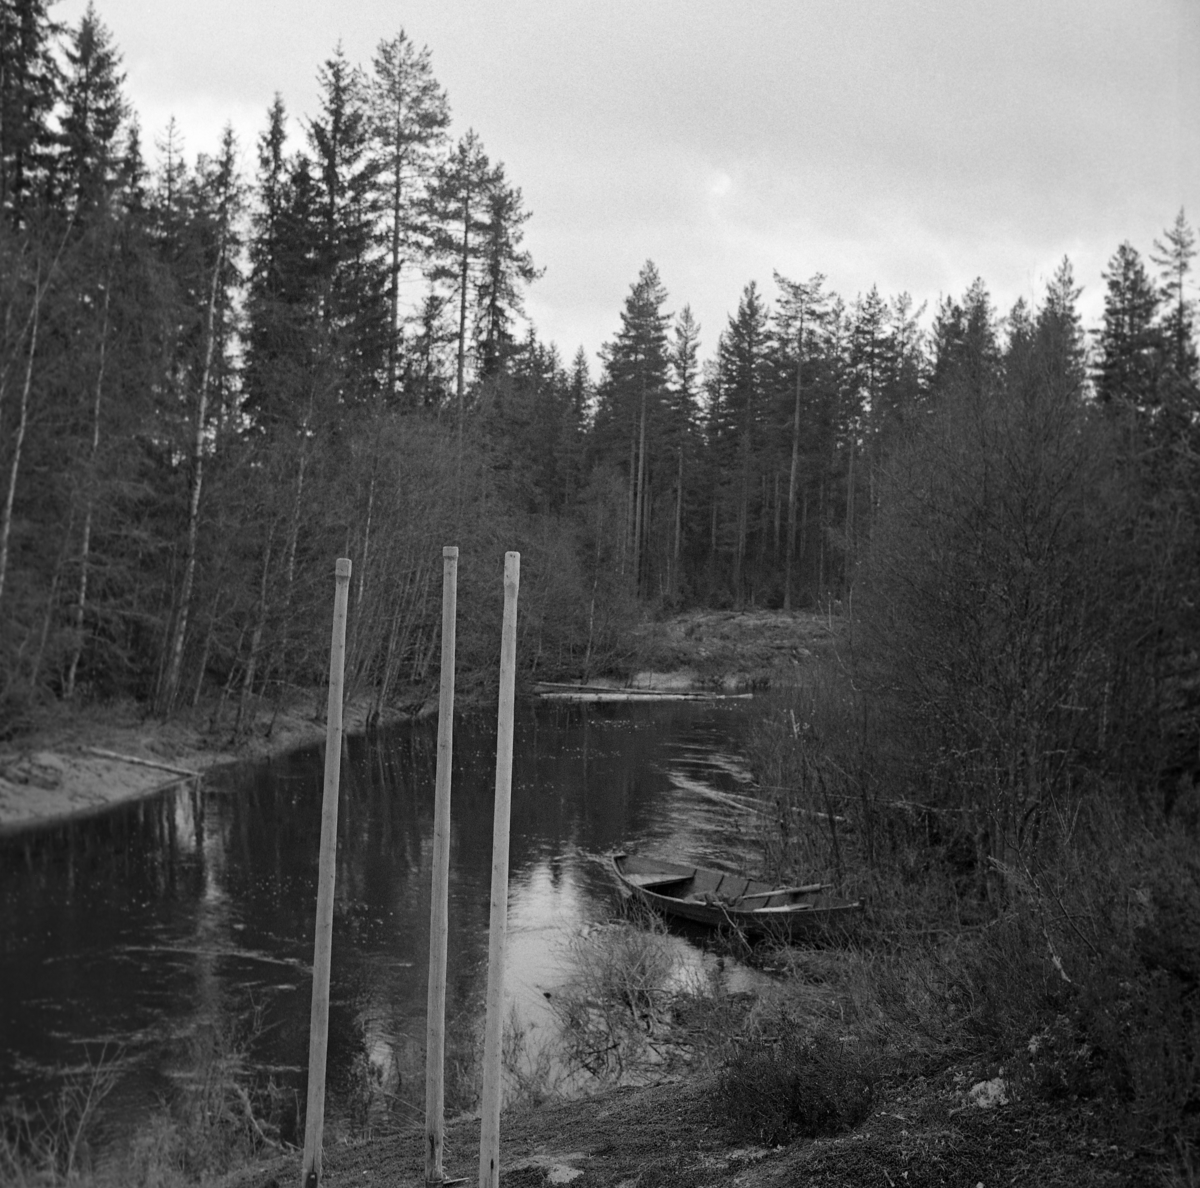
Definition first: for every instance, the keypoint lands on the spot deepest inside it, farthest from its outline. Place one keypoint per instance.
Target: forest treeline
(213, 384)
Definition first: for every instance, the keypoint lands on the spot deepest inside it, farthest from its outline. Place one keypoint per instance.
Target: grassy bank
(1066, 967)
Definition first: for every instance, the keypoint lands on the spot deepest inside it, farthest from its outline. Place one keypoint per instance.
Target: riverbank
(76, 762)
(56, 770)
(949, 1102)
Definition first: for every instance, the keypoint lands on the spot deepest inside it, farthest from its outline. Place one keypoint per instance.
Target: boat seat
(658, 880)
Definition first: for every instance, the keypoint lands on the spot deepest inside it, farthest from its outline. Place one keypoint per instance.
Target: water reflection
(140, 926)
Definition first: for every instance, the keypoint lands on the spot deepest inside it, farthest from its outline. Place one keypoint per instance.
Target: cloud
(912, 145)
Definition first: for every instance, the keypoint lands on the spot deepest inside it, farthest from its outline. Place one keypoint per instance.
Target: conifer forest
(216, 377)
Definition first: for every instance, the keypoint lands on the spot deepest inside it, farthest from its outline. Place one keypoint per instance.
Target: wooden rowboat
(715, 898)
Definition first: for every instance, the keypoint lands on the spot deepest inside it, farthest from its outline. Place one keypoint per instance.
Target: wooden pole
(318, 1032)
(489, 1136)
(435, 1012)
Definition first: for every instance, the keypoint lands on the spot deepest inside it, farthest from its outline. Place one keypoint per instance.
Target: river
(128, 934)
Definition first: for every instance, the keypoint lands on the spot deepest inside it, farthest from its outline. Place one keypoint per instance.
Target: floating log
(181, 771)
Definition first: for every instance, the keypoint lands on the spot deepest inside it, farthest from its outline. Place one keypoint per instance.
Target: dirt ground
(732, 650)
(923, 1132)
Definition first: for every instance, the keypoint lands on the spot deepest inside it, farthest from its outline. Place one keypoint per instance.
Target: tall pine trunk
(677, 548)
(639, 520)
(394, 281)
(18, 444)
(793, 480)
(461, 365)
(743, 513)
(630, 503)
(51, 602)
(175, 664)
(848, 560)
(260, 621)
(90, 505)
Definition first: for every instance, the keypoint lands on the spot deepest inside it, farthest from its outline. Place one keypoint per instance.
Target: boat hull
(719, 899)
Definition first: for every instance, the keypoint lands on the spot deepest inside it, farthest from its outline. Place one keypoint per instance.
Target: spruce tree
(94, 108)
(506, 269)
(742, 360)
(284, 333)
(965, 344)
(30, 85)
(352, 275)
(1131, 346)
(1058, 335)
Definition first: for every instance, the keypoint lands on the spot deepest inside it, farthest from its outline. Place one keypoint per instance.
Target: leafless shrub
(53, 1144)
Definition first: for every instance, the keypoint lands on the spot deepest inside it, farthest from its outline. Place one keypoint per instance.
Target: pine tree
(457, 209)
(866, 412)
(88, 178)
(408, 119)
(799, 322)
(636, 370)
(1178, 318)
(683, 410)
(215, 204)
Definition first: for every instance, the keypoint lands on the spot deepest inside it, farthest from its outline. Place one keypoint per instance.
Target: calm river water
(139, 927)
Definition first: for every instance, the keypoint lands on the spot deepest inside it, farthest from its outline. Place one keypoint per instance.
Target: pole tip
(450, 552)
(343, 567)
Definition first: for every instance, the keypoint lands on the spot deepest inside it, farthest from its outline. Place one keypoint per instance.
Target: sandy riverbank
(77, 763)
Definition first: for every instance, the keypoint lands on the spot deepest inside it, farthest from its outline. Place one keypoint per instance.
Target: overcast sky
(911, 144)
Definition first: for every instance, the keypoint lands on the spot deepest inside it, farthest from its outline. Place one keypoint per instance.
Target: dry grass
(633, 1010)
(221, 1116)
(53, 1144)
